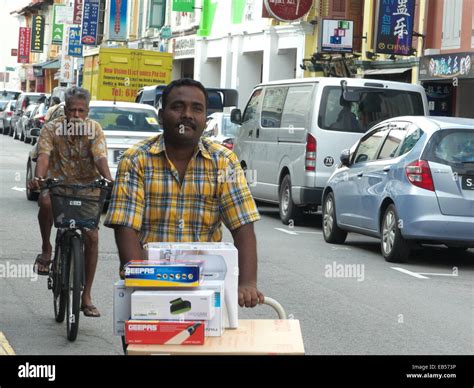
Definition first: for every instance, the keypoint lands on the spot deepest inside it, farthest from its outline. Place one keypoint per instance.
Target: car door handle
(359, 175)
(386, 169)
(258, 132)
(251, 133)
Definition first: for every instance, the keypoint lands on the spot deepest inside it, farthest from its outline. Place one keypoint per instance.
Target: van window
(297, 107)
(272, 107)
(339, 115)
(251, 109)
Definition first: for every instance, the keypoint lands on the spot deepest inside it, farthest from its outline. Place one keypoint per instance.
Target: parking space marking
(19, 188)
(285, 231)
(416, 275)
(439, 274)
(5, 348)
(299, 231)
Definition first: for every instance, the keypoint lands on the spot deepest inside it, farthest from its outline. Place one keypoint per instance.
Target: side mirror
(345, 157)
(34, 132)
(236, 116)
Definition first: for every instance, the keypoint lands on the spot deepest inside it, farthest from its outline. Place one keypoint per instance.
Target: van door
(296, 119)
(244, 143)
(266, 158)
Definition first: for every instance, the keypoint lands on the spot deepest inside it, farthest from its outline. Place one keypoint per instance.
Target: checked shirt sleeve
(127, 203)
(237, 205)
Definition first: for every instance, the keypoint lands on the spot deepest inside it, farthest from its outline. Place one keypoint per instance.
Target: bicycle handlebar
(102, 183)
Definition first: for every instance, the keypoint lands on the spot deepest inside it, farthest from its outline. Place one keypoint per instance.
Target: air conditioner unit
(152, 32)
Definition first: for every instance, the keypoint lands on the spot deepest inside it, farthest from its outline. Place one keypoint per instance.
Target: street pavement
(420, 307)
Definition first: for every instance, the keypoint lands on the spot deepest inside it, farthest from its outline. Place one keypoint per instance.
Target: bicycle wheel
(74, 288)
(58, 285)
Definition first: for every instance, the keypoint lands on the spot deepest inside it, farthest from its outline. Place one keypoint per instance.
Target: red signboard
(77, 18)
(24, 45)
(288, 10)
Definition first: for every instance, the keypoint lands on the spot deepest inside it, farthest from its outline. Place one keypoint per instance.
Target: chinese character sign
(118, 20)
(66, 72)
(75, 45)
(37, 34)
(90, 19)
(395, 27)
(24, 45)
(77, 13)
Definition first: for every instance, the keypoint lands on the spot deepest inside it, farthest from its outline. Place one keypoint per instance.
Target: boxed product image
(220, 263)
(151, 273)
(164, 332)
(189, 305)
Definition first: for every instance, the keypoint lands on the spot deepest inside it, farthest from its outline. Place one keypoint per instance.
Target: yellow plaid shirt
(149, 198)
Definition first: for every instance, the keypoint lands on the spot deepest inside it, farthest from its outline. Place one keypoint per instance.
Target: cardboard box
(220, 263)
(122, 306)
(150, 273)
(164, 332)
(192, 305)
(253, 337)
(215, 327)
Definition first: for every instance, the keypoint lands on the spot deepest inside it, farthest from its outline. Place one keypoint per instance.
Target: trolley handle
(276, 306)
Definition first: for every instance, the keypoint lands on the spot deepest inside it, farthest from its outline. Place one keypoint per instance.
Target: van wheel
(288, 210)
(395, 249)
(331, 232)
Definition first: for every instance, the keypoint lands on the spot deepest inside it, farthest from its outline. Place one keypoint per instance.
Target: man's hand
(249, 296)
(33, 184)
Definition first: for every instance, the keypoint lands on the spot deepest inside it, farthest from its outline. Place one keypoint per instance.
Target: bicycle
(75, 207)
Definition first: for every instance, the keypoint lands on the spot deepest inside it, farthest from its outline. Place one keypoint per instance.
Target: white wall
(9, 29)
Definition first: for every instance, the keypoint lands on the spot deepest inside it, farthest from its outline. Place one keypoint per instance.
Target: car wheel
(22, 136)
(27, 140)
(30, 195)
(331, 232)
(395, 249)
(288, 210)
(10, 131)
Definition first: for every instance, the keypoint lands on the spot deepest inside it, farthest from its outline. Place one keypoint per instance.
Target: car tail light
(228, 143)
(9, 113)
(310, 160)
(41, 119)
(419, 174)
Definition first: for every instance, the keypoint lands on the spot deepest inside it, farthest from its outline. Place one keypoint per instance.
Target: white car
(124, 124)
(220, 129)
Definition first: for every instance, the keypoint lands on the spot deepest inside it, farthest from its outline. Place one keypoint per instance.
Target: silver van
(292, 132)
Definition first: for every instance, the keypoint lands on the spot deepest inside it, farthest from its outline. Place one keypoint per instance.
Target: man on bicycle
(174, 187)
(71, 148)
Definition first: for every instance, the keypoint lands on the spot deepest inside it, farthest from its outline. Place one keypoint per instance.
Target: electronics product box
(184, 305)
(123, 311)
(253, 337)
(220, 263)
(164, 332)
(151, 273)
(215, 327)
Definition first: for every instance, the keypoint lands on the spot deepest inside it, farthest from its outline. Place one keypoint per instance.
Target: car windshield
(228, 127)
(125, 119)
(3, 104)
(338, 114)
(457, 146)
(6, 95)
(35, 98)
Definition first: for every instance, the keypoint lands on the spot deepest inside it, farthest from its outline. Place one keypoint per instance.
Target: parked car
(220, 129)
(217, 99)
(24, 100)
(22, 123)
(409, 180)
(6, 117)
(124, 124)
(36, 120)
(292, 132)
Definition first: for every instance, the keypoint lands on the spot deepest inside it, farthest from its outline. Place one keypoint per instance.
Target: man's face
(184, 117)
(76, 110)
